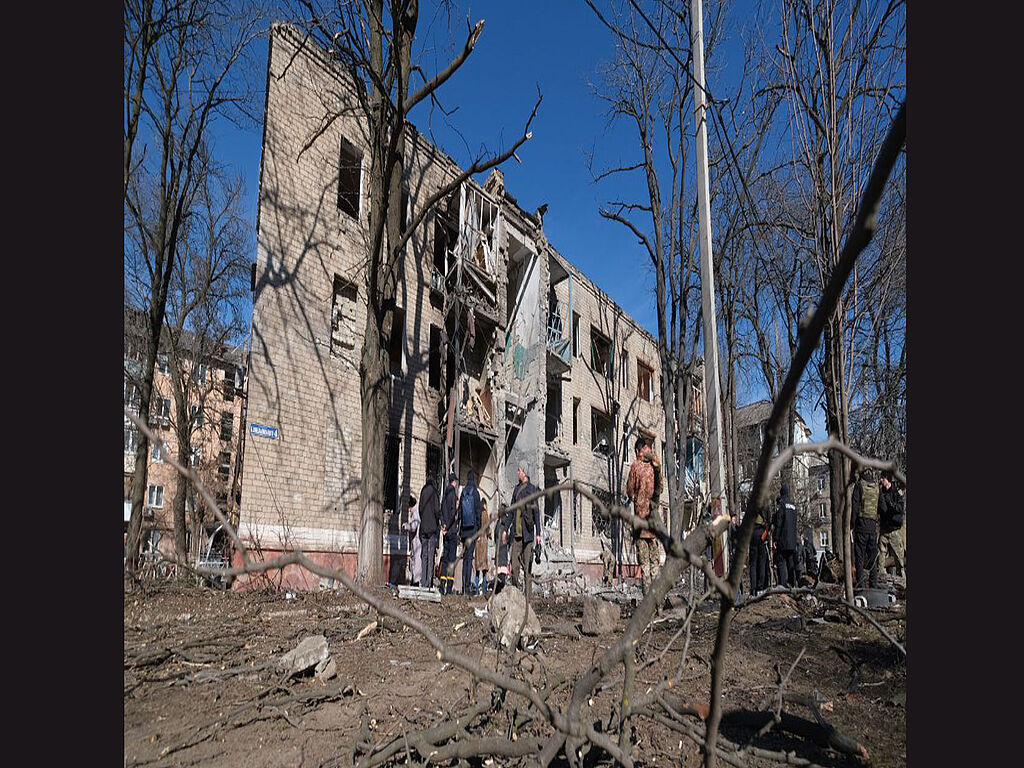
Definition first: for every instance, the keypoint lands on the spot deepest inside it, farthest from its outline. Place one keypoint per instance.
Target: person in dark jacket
(865, 530)
(430, 510)
(810, 557)
(759, 554)
(449, 534)
(470, 511)
(502, 544)
(785, 539)
(891, 514)
(526, 527)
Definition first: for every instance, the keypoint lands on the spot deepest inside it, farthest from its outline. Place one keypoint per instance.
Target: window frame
(595, 432)
(356, 153)
(159, 493)
(642, 368)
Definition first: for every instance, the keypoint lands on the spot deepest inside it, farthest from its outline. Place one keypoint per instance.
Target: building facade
(502, 352)
(215, 414)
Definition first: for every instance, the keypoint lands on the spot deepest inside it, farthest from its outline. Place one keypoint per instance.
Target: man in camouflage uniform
(865, 530)
(640, 489)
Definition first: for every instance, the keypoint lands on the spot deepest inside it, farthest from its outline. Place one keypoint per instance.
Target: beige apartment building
(215, 414)
(503, 353)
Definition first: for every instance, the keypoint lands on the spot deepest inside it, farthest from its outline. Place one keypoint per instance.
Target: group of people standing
(794, 559)
(456, 517)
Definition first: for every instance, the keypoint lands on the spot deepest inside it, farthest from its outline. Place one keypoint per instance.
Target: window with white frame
(197, 456)
(131, 438)
(224, 464)
(163, 410)
(195, 414)
(157, 454)
(821, 511)
(821, 483)
(132, 395)
(156, 496)
(162, 364)
(200, 373)
(823, 539)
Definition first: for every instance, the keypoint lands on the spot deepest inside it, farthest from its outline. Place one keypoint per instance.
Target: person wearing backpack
(891, 514)
(785, 539)
(865, 530)
(470, 510)
(449, 534)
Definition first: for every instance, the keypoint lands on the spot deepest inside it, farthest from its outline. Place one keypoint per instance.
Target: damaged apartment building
(502, 352)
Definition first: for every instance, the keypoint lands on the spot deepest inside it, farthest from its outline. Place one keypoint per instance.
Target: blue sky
(558, 47)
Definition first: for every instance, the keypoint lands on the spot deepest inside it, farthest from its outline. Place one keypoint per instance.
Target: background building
(216, 416)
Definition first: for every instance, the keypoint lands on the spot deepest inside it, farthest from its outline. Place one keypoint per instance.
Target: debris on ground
(506, 610)
(600, 617)
(310, 652)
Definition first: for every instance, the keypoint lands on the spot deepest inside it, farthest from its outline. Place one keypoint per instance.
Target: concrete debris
(311, 652)
(506, 610)
(419, 593)
(326, 669)
(480, 613)
(599, 616)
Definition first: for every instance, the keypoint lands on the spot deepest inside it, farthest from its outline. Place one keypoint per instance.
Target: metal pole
(707, 284)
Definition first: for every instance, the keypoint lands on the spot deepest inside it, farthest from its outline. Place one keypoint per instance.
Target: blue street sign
(262, 430)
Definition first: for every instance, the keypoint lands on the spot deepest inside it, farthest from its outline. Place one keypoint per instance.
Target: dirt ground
(391, 682)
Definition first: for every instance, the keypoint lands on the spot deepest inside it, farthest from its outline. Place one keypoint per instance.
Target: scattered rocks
(599, 616)
(506, 610)
(311, 652)
(326, 669)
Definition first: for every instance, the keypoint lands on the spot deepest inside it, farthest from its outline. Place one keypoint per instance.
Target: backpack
(869, 501)
(469, 504)
(656, 496)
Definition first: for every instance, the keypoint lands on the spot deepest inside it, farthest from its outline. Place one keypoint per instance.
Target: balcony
(558, 344)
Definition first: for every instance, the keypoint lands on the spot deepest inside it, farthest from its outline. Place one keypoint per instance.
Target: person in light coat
(412, 525)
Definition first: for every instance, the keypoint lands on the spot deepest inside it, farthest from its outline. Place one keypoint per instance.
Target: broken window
(576, 348)
(434, 463)
(132, 395)
(391, 444)
(625, 369)
(601, 437)
(224, 464)
(349, 178)
(575, 420)
(446, 235)
(601, 353)
(435, 357)
(644, 381)
(157, 454)
(226, 425)
(156, 496)
(343, 317)
(694, 461)
(396, 345)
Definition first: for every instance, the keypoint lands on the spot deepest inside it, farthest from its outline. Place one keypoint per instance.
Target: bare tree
(373, 42)
(183, 69)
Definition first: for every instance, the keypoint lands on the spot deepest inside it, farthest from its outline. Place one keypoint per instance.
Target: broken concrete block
(310, 652)
(326, 669)
(506, 610)
(599, 616)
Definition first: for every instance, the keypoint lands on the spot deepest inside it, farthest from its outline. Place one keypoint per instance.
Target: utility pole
(707, 289)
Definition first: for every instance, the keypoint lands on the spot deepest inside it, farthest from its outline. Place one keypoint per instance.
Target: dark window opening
(434, 463)
(349, 178)
(601, 353)
(435, 357)
(575, 334)
(396, 346)
(224, 464)
(601, 437)
(644, 380)
(391, 445)
(226, 425)
(575, 420)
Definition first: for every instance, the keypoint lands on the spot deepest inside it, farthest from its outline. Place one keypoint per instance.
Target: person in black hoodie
(759, 553)
(429, 509)
(449, 535)
(470, 509)
(785, 539)
(526, 527)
